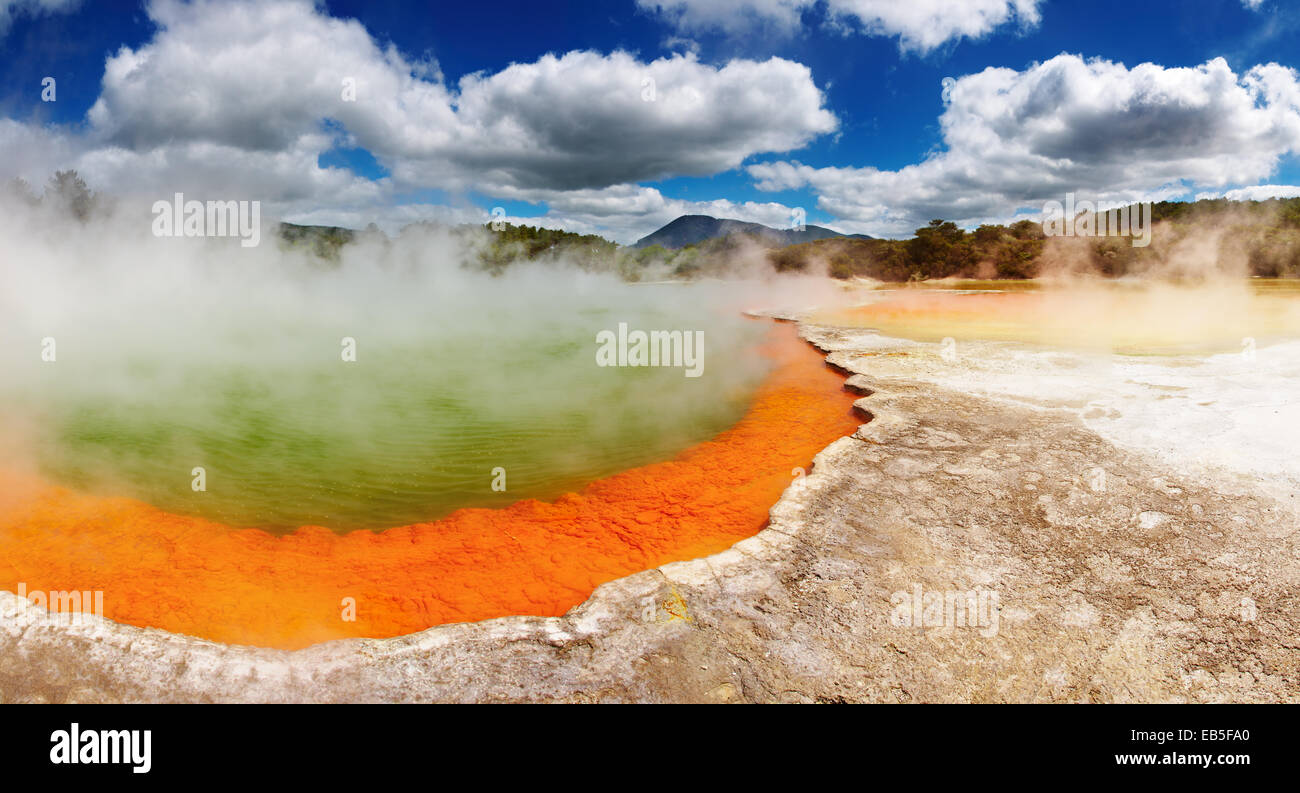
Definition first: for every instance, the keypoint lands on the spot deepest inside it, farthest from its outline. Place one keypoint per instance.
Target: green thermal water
(289, 434)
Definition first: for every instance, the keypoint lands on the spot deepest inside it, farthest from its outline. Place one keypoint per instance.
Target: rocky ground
(1100, 575)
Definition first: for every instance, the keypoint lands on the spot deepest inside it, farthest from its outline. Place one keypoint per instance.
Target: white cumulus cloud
(1259, 192)
(241, 98)
(1017, 138)
(921, 25)
(12, 8)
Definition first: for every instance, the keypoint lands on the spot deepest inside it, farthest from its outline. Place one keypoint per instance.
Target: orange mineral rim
(198, 577)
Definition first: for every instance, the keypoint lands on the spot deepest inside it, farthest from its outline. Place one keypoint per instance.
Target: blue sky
(837, 107)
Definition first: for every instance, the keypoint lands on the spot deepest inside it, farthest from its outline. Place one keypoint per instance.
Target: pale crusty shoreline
(1138, 592)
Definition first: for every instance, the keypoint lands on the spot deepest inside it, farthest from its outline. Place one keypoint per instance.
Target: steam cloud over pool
(241, 364)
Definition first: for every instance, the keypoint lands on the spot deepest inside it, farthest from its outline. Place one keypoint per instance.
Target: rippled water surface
(289, 434)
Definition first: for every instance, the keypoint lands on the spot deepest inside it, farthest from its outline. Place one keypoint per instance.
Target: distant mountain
(692, 229)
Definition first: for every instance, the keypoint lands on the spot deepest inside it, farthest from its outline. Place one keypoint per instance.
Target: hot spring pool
(429, 417)
(1129, 317)
(355, 498)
